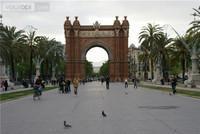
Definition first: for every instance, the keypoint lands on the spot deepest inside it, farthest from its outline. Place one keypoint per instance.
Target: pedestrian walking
(2, 85)
(162, 82)
(107, 82)
(173, 84)
(5, 85)
(135, 82)
(61, 85)
(75, 84)
(126, 83)
(38, 86)
(102, 80)
(67, 86)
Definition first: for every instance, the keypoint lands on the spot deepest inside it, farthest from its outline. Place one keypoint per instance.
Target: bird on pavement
(103, 113)
(67, 125)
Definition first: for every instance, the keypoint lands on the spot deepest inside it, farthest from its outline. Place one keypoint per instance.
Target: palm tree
(55, 59)
(144, 59)
(195, 25)
(148, 37)
(48, 50)
(162, 53)
(31, 41)
(10, 41)
(181, 54)
(194, 30)
(194, 35)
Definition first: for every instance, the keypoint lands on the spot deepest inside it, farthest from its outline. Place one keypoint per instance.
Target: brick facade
(112, 38)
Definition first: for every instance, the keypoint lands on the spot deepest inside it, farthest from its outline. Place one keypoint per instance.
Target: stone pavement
(129, 111)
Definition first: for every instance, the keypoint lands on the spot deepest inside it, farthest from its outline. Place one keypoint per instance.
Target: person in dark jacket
(107, 82)
(67, 86)
(6, 85)
(38, 87)
(61, 85)
(173, 84)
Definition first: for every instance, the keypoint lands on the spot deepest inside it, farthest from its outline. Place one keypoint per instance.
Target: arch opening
(98, 58)
(97, 55)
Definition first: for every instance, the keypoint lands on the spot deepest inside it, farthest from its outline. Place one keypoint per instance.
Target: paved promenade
(129, 111)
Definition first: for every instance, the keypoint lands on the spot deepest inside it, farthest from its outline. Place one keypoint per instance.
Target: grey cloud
(176, 13)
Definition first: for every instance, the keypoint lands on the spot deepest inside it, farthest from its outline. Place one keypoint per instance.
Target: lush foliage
(172, 55)
(104, 69)
(88, 69)
(21, 52)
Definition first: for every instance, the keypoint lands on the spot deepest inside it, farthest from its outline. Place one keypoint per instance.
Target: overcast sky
(48, 17)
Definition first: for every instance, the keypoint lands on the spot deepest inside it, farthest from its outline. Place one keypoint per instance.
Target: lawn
(19, 94)
(194, 94)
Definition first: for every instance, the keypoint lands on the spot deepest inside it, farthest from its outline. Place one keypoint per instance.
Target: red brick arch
(112, 38)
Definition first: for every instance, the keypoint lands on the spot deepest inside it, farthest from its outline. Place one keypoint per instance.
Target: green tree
(31, 41)
(194, 32)
(54, 61)
(180, 54)
(148, 38)
(11, 40)
(104, 69)
(161, 53)
(195, 25)
(88, 69)
(47, 51)
(144, 59)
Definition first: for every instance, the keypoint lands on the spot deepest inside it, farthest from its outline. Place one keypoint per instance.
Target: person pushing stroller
(38, 86)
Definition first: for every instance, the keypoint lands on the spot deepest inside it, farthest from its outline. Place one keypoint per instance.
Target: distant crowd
(4, 85)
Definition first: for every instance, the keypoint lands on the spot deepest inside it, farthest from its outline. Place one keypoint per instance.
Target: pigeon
(103, 114)
(67, 125)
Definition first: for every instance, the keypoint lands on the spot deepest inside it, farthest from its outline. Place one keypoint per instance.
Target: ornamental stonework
(96, 33)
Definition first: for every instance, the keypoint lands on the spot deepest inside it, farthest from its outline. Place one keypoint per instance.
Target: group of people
(173, 83)
(4, 85)
(64, 85)
(134, 80)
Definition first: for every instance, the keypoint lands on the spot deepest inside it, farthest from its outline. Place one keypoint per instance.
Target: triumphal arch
(112, 38)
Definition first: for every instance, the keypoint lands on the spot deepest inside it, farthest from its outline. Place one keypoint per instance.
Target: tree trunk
(164, 66)
(152, 68)
(12, 66)
(31, 64)
(145, 71)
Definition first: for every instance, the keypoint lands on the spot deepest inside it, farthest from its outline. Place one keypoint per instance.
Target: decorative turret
(76, 24)
(125, 23)
(117, 23)
(67, 24)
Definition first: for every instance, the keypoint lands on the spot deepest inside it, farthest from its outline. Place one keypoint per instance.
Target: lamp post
(134, 67)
